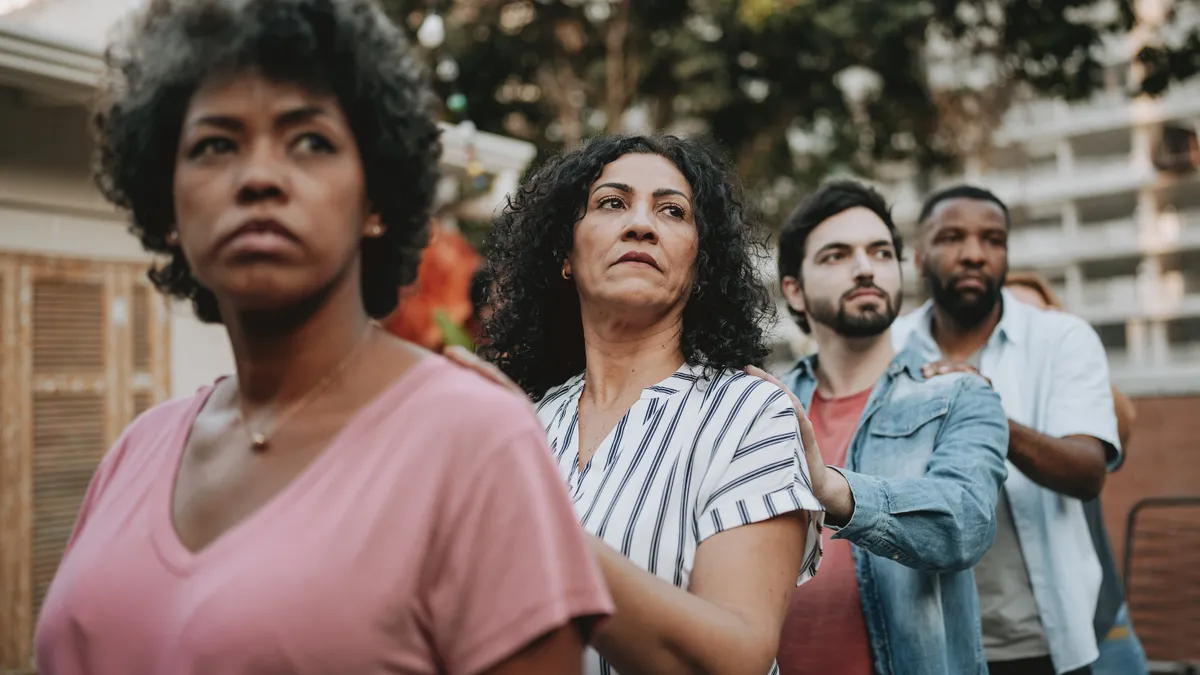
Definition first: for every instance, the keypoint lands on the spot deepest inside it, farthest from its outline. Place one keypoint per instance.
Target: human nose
(971, 252)
(263, 175)
(862, 266)
(640, 226)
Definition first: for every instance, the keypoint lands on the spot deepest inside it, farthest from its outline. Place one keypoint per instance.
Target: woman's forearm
(660, 629)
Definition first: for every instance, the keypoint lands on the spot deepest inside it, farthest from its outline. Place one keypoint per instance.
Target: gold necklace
(260, 440)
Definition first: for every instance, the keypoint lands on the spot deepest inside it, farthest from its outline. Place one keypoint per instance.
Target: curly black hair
(345, 48)
(536, 331)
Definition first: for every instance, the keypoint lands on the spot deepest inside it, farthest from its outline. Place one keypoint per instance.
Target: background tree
(794, 89)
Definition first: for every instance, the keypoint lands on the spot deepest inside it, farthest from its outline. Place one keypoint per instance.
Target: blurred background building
(1105, 199)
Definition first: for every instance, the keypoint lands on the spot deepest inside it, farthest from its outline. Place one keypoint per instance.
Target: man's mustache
(867, 287)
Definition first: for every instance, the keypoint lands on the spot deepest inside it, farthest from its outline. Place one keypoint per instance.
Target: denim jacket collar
(802, 377)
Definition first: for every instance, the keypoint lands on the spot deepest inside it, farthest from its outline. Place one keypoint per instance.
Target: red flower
(443, 285)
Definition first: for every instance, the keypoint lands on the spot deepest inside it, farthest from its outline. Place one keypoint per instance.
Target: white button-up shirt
(1051, 372)
(693, 457)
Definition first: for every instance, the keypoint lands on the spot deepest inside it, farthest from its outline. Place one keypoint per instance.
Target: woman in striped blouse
(627, 305)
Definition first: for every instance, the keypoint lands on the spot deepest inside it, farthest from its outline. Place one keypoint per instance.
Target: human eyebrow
(620, 187)
(666, 192)
(300, 116)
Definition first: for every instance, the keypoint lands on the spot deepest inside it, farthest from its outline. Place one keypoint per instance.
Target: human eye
(314, 143)
(885, 254)
(610, 203)
(211, 145)
(675, 211)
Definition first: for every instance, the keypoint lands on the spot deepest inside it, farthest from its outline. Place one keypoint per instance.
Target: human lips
(639, 257)
(863, 292)
(260, 237)
(971, 281)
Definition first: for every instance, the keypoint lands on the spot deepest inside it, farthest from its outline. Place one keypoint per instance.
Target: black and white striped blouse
(694, 456)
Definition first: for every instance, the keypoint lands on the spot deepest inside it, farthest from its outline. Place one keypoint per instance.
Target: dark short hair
(536, 330)
(961, 192)
(828, 201)
(346, 48)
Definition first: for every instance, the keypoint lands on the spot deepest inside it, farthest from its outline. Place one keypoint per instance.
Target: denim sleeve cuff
(870, 507)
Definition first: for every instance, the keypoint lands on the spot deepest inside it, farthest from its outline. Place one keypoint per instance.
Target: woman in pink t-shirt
(347, 504)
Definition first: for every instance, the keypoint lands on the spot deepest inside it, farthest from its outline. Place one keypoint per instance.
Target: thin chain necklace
(261, 440)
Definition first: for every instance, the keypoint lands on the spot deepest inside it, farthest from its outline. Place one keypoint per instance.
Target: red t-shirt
(825, 632)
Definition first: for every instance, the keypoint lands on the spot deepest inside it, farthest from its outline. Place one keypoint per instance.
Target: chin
(639, 299)
(269, 291)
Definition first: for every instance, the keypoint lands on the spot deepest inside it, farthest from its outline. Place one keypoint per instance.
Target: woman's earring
(566, 274)
(173, 237)
(375, 230)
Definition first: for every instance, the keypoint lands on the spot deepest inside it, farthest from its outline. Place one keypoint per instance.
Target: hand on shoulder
(945, 367)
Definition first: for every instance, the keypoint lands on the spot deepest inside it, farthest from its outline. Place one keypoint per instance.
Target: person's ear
(793, 292)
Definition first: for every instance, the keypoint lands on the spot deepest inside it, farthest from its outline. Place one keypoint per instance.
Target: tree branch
(617, 84)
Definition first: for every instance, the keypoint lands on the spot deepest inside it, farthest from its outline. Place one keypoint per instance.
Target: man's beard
(968, 310)
(865, 324)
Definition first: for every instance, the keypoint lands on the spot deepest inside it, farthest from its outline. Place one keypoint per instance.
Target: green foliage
(753, 72)
(454, 335)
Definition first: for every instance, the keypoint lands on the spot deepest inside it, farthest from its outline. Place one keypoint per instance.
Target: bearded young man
(919, 461)
(1038, 586)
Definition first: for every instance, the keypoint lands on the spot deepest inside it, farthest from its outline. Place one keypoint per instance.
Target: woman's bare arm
(727, 623)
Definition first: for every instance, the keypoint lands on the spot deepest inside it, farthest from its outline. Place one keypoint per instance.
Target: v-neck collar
(182, 560)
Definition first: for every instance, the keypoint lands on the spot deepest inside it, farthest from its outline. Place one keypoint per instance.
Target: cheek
(683, 250)
(194, 204)
(890, 278)
(586, 245)
(340, 199)
(936, 263)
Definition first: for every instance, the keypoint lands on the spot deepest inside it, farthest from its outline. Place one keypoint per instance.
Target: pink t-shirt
(433, 535)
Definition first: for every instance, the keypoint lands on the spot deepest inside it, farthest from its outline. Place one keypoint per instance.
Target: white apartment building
(1105, 201)
(1105, 198)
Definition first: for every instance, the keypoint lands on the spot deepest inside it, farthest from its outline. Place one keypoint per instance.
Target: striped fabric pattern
(693, 457)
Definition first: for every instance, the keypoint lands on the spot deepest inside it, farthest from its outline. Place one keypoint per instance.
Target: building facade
(1105, 199)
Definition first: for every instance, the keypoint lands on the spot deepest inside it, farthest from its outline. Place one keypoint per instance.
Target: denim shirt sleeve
(945, 520)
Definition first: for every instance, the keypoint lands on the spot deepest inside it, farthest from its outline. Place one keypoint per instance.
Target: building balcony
(1131, 297)
(1178, 373)
(1116, 294)
(1041, 247)
(1051, 119)
(1087, 177)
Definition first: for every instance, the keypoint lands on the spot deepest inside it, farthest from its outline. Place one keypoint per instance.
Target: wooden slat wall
(71, 426)
(14, 488)
(85, 350)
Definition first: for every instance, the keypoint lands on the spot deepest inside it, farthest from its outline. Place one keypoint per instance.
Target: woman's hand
(828, 486)
(935, 368)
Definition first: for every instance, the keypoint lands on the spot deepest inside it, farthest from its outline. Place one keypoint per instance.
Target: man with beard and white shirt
(1039, 584)
(921, 461)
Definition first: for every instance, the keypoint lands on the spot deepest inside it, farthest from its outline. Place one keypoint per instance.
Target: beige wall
(49, 206)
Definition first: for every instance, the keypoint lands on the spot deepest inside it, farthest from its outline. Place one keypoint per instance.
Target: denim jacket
(925, 466)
